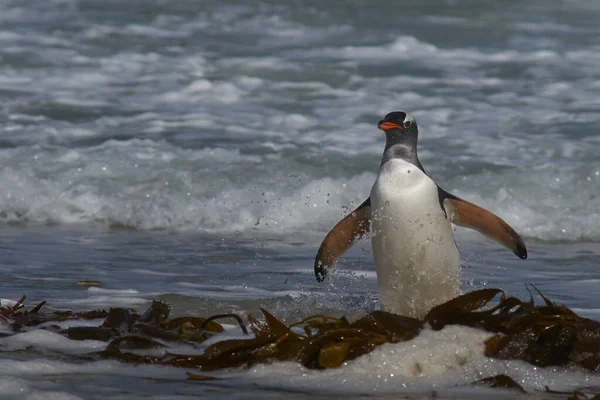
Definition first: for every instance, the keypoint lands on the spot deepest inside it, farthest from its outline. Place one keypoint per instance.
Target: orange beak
(385, 125)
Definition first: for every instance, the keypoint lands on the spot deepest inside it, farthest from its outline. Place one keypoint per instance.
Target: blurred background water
(198, 151)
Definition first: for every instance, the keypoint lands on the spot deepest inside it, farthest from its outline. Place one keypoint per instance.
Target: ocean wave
(145, 184)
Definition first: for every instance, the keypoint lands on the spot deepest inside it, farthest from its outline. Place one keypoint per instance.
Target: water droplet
(421, 225)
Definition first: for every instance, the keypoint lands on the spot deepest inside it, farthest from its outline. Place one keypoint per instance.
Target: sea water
(198, 152)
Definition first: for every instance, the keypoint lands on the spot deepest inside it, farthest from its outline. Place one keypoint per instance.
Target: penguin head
(401, 134)
(399, 123)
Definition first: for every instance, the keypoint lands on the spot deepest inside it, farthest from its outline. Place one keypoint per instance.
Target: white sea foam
(410, 49)
(105, 301)
(42, 339)
(236, 292)
(152, 185)
(40, 367)
(440, 361)
(7, 302)
(180, 199)
(125, 292)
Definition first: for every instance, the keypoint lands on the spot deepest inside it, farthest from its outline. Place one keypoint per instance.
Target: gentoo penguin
(409, 216)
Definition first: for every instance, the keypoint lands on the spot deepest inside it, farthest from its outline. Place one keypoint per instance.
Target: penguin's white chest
(418, 265)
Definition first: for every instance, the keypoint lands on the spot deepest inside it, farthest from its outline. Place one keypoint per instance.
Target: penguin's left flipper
(341, 237)
(469, 215)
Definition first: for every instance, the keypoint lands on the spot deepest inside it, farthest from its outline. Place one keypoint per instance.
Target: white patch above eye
(409, 118)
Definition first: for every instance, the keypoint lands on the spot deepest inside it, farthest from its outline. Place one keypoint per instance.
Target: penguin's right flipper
(469, 215)
(343, 235)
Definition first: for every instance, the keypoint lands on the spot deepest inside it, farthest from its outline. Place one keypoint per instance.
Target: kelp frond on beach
(543, 335)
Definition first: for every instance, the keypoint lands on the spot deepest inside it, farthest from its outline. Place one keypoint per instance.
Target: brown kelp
(543, 335)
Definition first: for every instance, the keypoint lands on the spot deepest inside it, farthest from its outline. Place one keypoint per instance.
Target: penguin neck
(403, 148)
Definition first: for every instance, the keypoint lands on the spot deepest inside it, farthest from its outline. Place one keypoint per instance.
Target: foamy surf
(86, 187)
(447, 363)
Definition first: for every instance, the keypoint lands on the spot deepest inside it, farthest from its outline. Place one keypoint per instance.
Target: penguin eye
(407, 124)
